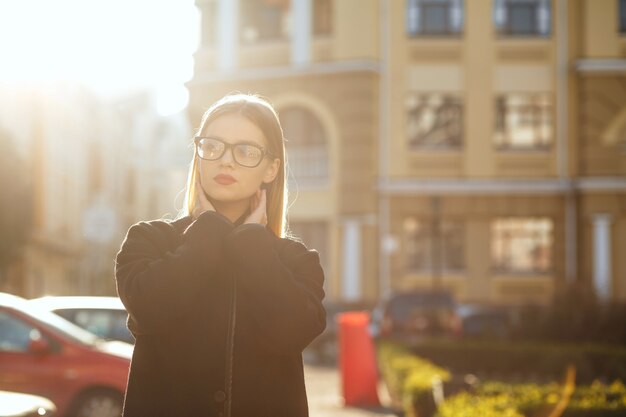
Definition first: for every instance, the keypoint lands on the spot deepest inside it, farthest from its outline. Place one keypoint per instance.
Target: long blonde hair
(260, 112)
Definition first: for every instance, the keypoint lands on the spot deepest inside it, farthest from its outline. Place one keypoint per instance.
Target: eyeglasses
(245, 154)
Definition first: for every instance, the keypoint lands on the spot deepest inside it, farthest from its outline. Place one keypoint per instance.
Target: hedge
(527, 400)
(517, 361)
(409, 378)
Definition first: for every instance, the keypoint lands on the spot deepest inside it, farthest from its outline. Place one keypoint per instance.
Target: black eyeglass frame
(264, 152)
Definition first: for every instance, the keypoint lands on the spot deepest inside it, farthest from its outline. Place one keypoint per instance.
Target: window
(434, 17)
(523, 121)
(522, 17)
(15, 335)
(264, 20)
(322, 17)
(622, 16)
(522, 245)
(434, 121)
(107, 324)
(432, 246)
(306, 146)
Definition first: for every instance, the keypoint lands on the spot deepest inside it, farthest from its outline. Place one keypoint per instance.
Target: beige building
(96, 166)
(473, 145)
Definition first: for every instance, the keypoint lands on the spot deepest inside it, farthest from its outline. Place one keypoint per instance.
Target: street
(323, 385)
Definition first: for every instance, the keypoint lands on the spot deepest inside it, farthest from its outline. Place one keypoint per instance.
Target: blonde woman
(221, 304)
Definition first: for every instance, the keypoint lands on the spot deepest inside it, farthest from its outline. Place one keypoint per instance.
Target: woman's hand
(258, 205)
(202, 203)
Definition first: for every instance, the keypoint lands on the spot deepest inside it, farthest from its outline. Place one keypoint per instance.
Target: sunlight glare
(172, 100)
(113, 47)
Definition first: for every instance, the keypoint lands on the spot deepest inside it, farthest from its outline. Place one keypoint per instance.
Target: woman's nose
(227, 158)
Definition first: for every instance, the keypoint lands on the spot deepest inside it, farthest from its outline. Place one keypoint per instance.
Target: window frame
(321, 25)
(308, 155)
(503, 10)
(253, 17)
(429, 240)
(496, 264)
(415, 22)
(538, 114)
(451, 103)
(621, 17)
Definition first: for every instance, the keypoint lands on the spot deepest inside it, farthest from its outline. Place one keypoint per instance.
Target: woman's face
(224, 179)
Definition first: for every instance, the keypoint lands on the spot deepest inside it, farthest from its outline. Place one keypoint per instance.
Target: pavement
(323, 386)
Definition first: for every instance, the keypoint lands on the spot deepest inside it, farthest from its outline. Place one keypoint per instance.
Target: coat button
(219, 396)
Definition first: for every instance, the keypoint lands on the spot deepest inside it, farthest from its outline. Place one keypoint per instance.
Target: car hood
(116, 348)
(17, 404)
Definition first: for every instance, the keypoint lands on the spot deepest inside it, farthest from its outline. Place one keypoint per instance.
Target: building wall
(602, 124)
(80, 151)
(366, 112)
(478, 281)
(600, 34)
(476, 65)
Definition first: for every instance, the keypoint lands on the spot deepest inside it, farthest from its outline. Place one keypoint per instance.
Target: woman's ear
(271, 171)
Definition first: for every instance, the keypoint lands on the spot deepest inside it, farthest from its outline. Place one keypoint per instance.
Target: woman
(221, 304)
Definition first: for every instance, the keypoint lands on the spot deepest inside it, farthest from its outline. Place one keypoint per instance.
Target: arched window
(307, 149)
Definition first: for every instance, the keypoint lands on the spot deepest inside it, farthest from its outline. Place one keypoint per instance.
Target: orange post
(357, 360)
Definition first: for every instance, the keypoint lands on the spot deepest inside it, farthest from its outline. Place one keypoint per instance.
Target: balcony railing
(308, 164)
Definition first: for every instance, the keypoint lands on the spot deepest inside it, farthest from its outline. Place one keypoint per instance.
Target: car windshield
(60, 325)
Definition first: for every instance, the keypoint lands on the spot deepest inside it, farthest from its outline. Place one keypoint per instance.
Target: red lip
(224, 179)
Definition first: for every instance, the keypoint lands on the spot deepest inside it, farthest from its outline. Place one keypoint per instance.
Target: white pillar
(352, 260)
(301, 30)
(227, 34)
(602, 256)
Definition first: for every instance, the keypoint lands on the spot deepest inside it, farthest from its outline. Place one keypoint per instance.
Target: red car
(43, 354)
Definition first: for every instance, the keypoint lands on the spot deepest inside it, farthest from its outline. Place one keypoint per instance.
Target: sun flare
(112, 47)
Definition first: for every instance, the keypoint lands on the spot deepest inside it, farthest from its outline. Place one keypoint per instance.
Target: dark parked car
(103, 316)
(44, 354)
(13, 404)
(409, 315)
(484, 322)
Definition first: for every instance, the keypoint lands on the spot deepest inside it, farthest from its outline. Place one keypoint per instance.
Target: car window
(96, 321)
(59, 325)
(406, 305)
(105, 323)
(15, 335)
(119, 330)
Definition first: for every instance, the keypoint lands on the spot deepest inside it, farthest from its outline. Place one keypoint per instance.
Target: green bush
(599, 398)
(515, 361)
(469, 405)
(408, 377)
(500, 399)
(410, 380)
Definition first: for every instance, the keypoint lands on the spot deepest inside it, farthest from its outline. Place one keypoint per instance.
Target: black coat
(181, 281)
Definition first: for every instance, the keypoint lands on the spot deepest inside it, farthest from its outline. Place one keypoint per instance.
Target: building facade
(477, 146)
(96, 166)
